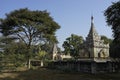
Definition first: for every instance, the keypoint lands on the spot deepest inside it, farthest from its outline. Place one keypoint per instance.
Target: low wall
(84, 66)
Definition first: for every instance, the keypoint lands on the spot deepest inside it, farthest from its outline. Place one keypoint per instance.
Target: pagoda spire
(92, 29)
(92, 19)
(92, 32)
(92, 25)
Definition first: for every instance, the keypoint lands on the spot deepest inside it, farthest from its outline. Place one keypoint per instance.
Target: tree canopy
(112, 15)
(72, 45)
(29, 27)
(106, 40)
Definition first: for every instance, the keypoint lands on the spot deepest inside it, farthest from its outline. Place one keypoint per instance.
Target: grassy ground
(46, 74)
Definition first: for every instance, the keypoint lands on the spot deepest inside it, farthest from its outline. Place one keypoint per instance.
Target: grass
(47, 74)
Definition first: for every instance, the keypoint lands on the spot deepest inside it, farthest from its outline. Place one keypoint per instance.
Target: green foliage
(29, 27)
(73, 44)
(112, 14)
(15, 48)
(15, 53)
(106, 40)
(5, 41)
(47, 47)
(9, 62)
(41, 55)
(113, 47)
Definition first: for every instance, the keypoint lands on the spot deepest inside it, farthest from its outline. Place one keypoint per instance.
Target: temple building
(94, 48)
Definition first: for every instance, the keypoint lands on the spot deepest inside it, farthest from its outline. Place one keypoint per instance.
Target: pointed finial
(91, 19)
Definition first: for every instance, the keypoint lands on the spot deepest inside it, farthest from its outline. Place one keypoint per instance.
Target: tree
(41, 55)
(72, 45)
(106, 40)
(111, 44)
(30, 27)
(112, 14)
(13, 52)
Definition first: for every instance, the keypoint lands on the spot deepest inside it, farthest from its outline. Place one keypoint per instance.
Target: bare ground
(47, 74)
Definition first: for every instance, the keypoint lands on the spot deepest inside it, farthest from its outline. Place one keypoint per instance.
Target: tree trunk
(28, 58)
(29, 63)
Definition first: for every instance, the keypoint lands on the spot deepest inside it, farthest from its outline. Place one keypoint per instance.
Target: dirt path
(11, 75)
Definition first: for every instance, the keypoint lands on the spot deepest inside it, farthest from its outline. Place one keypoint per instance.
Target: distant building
(58, 56)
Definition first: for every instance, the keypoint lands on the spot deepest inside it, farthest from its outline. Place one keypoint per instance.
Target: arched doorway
(101, 54)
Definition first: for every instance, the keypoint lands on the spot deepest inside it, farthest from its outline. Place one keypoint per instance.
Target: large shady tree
(112, 14)
(30, 27)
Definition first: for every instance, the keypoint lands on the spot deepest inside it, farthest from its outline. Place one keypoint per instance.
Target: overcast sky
(74, 16)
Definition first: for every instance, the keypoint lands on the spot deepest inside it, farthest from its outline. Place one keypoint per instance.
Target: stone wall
(84, 66)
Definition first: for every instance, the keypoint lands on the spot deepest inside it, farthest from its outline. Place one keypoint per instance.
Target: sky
(74, 16)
